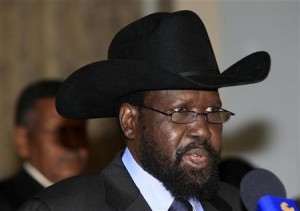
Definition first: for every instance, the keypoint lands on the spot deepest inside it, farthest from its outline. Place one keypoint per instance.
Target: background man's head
(56, 146)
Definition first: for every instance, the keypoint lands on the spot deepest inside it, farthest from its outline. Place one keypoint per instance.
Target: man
(52, 147)
(161, 80)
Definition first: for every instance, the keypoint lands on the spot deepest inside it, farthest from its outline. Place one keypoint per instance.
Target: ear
(128, 118)
(20, 138)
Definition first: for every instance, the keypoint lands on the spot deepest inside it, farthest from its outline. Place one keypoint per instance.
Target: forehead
(193, 97)
(45, 104)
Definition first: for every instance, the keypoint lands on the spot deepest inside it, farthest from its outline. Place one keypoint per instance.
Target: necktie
(180, 204)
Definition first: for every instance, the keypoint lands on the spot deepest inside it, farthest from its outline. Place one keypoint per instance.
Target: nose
(200, 128)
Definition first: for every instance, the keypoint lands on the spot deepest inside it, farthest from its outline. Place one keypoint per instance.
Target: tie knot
(180, 204)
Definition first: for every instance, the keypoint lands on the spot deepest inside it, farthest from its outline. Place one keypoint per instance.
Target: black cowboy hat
(161, 51)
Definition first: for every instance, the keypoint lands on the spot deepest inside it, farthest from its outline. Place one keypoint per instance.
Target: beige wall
(51, 39)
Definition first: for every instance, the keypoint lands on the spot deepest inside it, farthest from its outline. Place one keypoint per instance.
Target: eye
(179, 109)
(213, 109)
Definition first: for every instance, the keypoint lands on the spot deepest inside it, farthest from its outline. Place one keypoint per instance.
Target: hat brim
(93, 90)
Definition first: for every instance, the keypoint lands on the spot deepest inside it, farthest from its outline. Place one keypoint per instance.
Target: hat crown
(177, 42)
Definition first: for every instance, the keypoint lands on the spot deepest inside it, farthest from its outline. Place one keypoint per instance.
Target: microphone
(261, 190)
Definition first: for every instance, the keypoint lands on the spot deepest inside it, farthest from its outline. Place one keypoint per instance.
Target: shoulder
(76, 193)
(227, 199)
(226, 188)
(19, 188)
(84, 186)
(12, 189)
(7, 192)
(85, 192)
(7, 183)
(9, 197)
(19, 181)
(111, 187)
(231, 195)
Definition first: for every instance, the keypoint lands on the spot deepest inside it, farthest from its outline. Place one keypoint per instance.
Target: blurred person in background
(51, 147)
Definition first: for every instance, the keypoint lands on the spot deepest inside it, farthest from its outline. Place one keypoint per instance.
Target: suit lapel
(121, 192)
(139, 204)
(215, 204)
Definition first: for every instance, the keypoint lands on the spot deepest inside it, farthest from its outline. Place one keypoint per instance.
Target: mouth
(71, 158)
(197, 158)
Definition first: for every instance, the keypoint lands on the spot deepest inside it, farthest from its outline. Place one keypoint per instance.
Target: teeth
(194, 155)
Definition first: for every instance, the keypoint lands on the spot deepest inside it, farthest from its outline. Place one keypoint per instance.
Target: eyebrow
(190, 101)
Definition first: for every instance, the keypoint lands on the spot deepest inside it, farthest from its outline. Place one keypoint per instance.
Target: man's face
(183, 157)
(57, 147)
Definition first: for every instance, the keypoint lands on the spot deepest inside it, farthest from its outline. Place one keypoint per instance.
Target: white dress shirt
(36, 174)
(153, 191)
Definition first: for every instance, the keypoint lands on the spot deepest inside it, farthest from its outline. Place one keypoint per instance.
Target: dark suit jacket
(17, 189)
(111, 189)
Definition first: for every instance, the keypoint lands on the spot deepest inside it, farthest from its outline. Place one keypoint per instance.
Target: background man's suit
(16, 190)
(112, 189)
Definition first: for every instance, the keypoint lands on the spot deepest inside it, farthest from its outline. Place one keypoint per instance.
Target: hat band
(192, 73)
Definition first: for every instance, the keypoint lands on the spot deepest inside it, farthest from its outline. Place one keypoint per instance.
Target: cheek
(46, 158)
(216, 139)
(83, 154)
(53, 155)
(51, 149)
(169, 137)
(175, 134)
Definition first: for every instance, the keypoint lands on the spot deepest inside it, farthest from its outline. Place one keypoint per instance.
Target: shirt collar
(156, 195)
(36, 174)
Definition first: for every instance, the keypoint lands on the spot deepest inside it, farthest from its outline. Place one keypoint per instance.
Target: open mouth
(196, 158)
